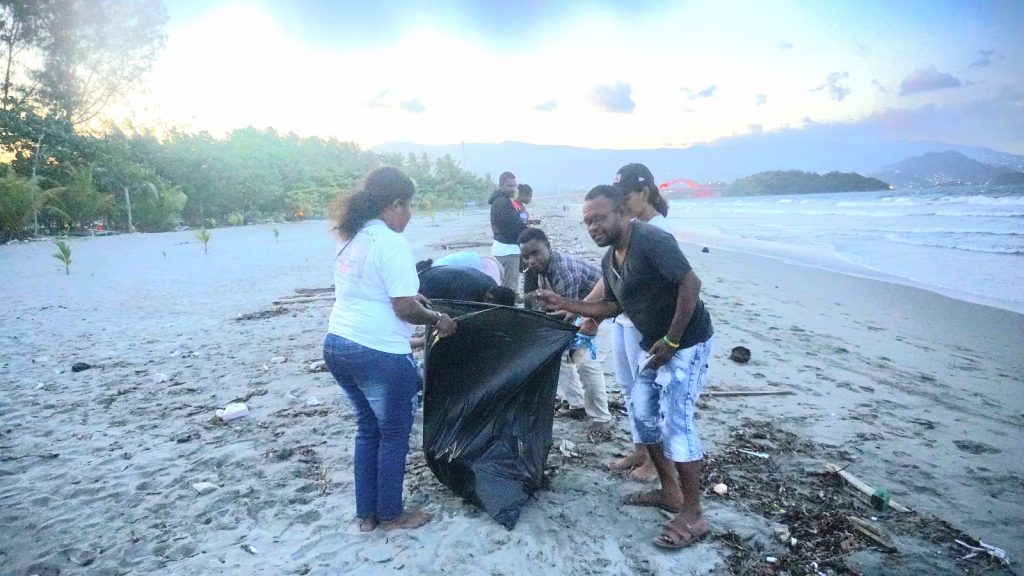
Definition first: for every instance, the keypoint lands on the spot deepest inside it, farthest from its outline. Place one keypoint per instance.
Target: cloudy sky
(595, 74)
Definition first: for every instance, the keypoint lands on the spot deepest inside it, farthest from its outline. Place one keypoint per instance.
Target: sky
(594, 74)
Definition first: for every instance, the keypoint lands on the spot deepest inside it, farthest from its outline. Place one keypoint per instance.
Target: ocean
(966, 242)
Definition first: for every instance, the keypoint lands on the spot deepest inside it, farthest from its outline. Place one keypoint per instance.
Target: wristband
(671, 344)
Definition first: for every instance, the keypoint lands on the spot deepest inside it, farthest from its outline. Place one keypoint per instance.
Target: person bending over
(464, 283)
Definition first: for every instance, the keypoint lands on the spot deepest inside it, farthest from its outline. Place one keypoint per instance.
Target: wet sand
(916, 392)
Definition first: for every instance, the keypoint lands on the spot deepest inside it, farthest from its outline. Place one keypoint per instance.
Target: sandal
(677, 535)
(649, 498)
(407, 521)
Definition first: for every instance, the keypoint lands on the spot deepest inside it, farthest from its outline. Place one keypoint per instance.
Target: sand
(99, 469)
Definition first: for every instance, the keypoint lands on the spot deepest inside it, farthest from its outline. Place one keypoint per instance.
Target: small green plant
(63, 254)
(203, 235)
(277, 233)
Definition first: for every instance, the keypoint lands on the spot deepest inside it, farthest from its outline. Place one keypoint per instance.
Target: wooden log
(861, 486)
(873, 532)
(311, 291)
(747, 393)
(304, 300)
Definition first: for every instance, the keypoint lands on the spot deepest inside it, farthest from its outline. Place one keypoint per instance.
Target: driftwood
(873, 532)
(747, 393)
(861, 486)
(303, 299)
(312, 291)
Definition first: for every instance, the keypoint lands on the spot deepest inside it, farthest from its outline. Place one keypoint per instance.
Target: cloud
(881, 87)
(997, 122)
(705, 93)
(414, 106)
(762, 99)
(984, 58)
(379, 101)
(836, 90)
(614, 97)
(383, 99)
(546, 106)
(755, 128)
(783, 45)
(925, 79)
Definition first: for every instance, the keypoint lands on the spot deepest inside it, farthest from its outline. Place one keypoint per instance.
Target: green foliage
(203, 235)
(63, 254)
(797, 182)
(16, 199)
(71, 58)
(249, 175)
(79, 202)
(159, 208)
(440, 184)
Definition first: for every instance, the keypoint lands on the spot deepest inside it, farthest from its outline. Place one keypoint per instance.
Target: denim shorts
(664, 402)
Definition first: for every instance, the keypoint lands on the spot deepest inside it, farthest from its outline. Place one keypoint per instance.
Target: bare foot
(367, 524)
(644, 473)
(407, 521)
(637, 458)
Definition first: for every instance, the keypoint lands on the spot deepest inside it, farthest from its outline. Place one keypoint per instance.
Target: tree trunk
(128, 203)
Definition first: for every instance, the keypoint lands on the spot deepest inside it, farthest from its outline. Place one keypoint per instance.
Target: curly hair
(378, 190)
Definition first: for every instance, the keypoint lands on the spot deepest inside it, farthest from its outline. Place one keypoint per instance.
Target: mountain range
(567, 168)
(944, 168)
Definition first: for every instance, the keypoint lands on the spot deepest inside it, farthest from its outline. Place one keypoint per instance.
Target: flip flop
(649, 498)
(677, 536)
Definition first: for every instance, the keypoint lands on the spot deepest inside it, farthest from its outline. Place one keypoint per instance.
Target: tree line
(61, 169)
(797, 182)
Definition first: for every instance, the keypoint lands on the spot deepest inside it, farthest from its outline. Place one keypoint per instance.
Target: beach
(108, 470)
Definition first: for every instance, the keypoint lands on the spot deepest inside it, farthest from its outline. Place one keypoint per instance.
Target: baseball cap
(633, 177)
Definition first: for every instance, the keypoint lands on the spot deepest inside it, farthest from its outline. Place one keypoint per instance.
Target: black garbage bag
(488, 403)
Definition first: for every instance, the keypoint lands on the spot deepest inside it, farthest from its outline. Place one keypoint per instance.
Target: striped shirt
(568, 276)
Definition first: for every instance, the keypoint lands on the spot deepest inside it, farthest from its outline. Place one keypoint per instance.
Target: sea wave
(951, 245)
(983, 200)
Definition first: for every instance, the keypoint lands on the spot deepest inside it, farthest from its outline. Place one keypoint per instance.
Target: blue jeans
(665, 402)
(381, 388)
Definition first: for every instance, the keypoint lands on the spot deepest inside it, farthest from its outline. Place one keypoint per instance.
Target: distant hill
(940, 169)
(1007, 179)
(797, 182)
(565, 168)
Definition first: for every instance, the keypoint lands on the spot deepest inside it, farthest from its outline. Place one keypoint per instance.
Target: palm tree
(203, 235)
(63, 254)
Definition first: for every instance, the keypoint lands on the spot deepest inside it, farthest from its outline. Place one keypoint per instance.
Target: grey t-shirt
(648, 283)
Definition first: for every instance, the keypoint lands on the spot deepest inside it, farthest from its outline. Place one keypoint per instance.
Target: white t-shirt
(374, 267)
(663, 223)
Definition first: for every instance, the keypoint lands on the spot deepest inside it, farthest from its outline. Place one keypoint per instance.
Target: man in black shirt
(647, 276)
(506, 226)
(463, 283)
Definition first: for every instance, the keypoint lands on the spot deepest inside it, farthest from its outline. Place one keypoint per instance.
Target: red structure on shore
(686, 188)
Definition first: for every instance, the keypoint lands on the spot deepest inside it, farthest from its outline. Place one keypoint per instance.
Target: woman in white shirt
(367, 344)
